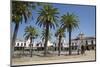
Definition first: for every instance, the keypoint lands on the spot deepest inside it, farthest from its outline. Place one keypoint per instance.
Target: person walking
(82, 49)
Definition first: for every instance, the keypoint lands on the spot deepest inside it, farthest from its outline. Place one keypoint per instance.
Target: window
(91, 42)
(17, 44)
(24, 44)
(72, 44)
(86, 42)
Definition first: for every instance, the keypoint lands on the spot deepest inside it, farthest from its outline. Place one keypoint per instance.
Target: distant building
(20, 44)
(88, 42)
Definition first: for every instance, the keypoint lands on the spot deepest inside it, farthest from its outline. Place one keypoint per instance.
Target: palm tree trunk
(46, 39)
(31, 46)
(59, 46)
(69, 40)
(13, 39)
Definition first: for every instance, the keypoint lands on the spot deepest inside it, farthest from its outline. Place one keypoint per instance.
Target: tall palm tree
(69, 22)
(21, 12)
(48, 19)
(30, 33)
(59, 34)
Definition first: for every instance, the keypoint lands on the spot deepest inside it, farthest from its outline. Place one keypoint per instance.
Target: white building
(22, 43)
(89, 42)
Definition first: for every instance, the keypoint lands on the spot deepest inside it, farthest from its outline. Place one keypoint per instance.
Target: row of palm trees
(47, 19)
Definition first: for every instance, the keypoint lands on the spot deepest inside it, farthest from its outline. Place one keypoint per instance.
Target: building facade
(21, 44)
(88, 42)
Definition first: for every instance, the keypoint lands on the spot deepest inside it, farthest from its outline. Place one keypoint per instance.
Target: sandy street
(88, 56)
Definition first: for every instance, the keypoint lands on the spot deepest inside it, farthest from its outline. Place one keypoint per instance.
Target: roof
(85, 38)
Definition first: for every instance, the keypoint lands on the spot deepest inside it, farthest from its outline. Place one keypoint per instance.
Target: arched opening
(72, 46)
(24, 44)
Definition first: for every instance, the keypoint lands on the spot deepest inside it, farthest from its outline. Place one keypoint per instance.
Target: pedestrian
(82, 49)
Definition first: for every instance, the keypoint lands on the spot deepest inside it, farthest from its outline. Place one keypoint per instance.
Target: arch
(92, 42)
(17, 44)
(24, 44)
(21, 44)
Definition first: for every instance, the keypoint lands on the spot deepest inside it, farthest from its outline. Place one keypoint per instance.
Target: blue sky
(86, 15)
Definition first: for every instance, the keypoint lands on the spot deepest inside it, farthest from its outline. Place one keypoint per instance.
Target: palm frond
(69, 20)
(30, 32)
(47, 15)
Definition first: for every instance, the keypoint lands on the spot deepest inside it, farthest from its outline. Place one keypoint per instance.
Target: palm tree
(48, 19)
(30, 33)
(43, 36)
(69, 22)
(44, 33)
(59, 34)
(21, 12)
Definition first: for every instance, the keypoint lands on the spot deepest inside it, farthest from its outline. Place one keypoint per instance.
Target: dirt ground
(88, 56)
